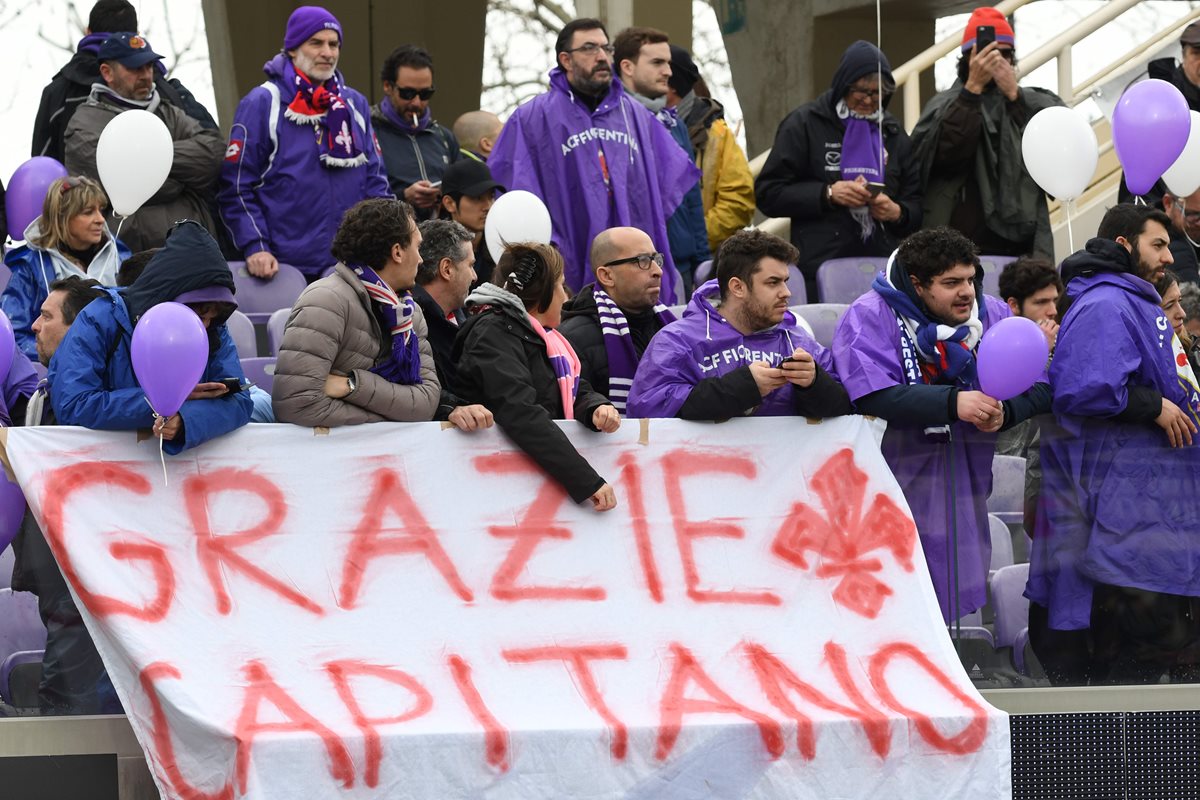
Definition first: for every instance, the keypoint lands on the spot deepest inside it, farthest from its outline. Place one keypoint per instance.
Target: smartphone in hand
(984, 35)
(875, 188)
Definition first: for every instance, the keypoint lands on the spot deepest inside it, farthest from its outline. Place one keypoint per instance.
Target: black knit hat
(684, 72)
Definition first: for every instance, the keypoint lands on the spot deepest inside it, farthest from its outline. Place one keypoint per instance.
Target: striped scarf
(618, 344)
(404, 363)
(563, 361)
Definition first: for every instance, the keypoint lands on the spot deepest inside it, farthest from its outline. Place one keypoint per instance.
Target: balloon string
(162, 459)
(120, 221)
(1070, 233)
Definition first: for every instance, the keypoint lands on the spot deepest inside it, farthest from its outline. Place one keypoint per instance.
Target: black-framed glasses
(865, 94)
(591, 48)
(1192, 217)
(408, 93)
(643, 260)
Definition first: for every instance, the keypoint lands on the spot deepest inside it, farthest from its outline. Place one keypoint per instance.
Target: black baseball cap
(468, 177)
(127, 49)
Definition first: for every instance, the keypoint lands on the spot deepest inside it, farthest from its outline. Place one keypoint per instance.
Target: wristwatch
(352, 383)
(829, 193)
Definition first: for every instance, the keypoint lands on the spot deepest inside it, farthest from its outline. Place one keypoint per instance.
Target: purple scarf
(405, 124)
(618, 344)
(338, 138)
(404, 364)
(861, 155)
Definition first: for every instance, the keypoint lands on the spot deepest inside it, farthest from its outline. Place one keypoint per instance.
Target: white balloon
(1183, 177)
(1060, 152)
(133, 157)
(516, 216)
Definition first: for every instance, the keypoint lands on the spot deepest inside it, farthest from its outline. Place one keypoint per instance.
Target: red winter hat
(987, 16)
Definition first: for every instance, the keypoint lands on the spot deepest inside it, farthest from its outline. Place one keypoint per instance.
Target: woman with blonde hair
(511, 360)
(69, 238)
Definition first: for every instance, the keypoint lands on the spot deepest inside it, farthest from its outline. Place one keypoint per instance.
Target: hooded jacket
(189, 188)
(556, 148)
(70, 87)
(34, 269)
(502, 364)
(968, 149)
(698, 367)
(275, 195)
(411, 156)
(806, 159)
(92, 382)
(1123, 510)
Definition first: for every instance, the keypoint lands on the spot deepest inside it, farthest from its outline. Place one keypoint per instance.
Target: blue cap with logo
(128, 49)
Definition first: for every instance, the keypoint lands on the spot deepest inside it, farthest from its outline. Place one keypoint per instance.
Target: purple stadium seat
(704, 272)
(822, 318)
(795, 284)
(992, 267)
(242, 330)
(16, 663)
(1008, 598)
(325, 273)
(843, 280)
(20, 626)
(257, 299)
(260, 372)
(1002, 546)
(275, 325)
(1007, 500)
(6, 567)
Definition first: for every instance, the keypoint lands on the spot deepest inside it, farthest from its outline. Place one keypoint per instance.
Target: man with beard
(1115, 547)
(906, 353)
(301, 152)
(738, 351)
(596, 158)
(610, 322)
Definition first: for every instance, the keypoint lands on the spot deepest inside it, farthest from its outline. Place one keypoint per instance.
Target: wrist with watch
(351, 383)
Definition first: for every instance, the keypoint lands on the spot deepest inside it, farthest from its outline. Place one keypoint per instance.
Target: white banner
(402, 611)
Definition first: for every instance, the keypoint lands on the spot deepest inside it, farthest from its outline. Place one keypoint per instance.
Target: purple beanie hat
(307, 20)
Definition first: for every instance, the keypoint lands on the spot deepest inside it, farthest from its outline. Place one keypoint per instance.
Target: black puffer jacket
(502, 363)
(807, 157)
(581, 326)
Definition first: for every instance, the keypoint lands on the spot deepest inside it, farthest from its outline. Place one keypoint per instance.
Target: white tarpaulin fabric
(402, 611)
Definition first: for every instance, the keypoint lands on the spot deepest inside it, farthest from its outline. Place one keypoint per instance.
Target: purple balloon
(27, 192)
(170, 351)
(1012, 356)
(1150, 128)
(12, 509)
(8, 346)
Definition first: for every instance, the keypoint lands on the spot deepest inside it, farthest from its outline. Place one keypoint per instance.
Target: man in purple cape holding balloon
(906, 352)
(92, 380)
(1115, 546)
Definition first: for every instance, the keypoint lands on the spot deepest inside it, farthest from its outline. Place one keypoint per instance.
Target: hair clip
(525, 270)
(67, 185)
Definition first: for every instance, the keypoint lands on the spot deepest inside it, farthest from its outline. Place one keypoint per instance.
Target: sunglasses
(408, 94)
(643, 260)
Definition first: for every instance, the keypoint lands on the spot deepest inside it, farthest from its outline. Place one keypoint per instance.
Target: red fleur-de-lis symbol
(845, 535)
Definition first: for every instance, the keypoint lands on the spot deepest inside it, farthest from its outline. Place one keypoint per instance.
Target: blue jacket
(92, 382)
(33, 270)
(686, 233)
(274, 194)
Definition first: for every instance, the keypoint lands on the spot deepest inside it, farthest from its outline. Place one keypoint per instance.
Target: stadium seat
(1007, 500)
(1002, 546)
(20, 675)
(1008, 598)
(704, 272)
(325, 273)
(844, 280)
(795, 284)
(6, 567)
(992, 267)
(260, 371)
(20, 625)
(242, 330)
(677, 310)
(275, 325)
(822, 319)
(258, 299)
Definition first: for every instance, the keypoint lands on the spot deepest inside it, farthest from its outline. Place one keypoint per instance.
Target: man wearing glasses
(595, 157)
(416, 149)
(1185, 234)
(611, 321)
(968, 146)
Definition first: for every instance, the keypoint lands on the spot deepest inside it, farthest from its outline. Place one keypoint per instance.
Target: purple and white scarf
(862, 154)
(404, 364)
(618, 344)
(338, 139)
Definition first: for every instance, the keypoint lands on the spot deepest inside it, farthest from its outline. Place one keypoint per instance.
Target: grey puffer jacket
(190, 186)
(333, 329)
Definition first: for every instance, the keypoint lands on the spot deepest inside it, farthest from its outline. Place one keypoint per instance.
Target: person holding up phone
(841, 170)
(967, 145)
